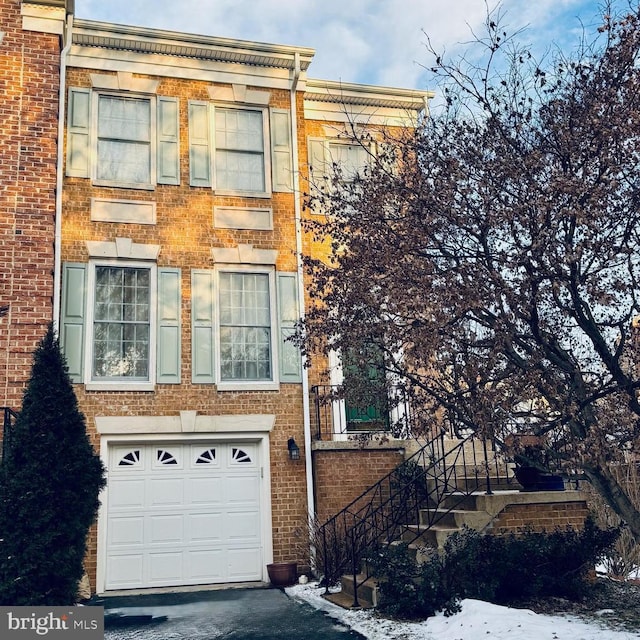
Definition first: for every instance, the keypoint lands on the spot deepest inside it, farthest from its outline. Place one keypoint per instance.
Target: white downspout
(311, 510)
(57, 238)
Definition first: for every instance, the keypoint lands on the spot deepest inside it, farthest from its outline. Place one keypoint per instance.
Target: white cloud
(369, 41)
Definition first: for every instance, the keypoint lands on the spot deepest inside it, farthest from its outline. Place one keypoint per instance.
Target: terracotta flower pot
(283, 574)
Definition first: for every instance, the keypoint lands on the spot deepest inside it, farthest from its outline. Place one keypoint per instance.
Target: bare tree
(492, 255)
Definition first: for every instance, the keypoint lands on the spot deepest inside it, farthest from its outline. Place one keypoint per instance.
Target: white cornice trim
(43, 18)
(156, 41)
(335, 92)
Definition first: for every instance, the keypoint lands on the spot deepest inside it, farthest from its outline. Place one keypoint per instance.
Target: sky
(381, 42)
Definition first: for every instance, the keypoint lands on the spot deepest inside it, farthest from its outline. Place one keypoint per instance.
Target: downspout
(301, 307)
(57, 238)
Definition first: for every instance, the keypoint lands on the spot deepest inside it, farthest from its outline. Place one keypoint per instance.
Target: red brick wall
(29, 82)
(342, 475)
(540, 517)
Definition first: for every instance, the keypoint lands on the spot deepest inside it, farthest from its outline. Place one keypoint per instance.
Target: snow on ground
(477, 620)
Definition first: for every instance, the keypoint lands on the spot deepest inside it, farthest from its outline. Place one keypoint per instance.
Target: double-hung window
(124, 141)
(242, 317)
(120, 319)
(240, 150)
(246, 351)
(230, 149)
(121, 332)
(127, 138)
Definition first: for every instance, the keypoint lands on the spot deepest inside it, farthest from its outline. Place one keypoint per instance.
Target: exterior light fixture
(294, 449)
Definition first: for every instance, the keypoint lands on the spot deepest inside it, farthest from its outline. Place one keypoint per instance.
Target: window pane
(240, 164)
(352, 158)
(245, 327)
(121, 327)
(124, 140)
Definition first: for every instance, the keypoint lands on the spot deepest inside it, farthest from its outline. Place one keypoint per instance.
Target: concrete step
(455, 518)
(367, 591)
(434, 536)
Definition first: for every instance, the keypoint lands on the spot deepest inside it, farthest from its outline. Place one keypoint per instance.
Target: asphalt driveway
(232, 614)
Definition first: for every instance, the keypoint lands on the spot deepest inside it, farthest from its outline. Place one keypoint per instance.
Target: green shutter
(202, 327)
(168, 141)
(318, 170)
(72, 317)
(199, 144)
(78, 128)
(168, 365)
(282, 177)
(288, 315)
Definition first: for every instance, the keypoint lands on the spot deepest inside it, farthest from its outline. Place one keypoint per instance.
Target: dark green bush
(408, 590)
(49, 485)
(501, 569)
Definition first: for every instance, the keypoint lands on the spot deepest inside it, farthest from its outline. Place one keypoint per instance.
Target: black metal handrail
(9, 417)
(407, 502)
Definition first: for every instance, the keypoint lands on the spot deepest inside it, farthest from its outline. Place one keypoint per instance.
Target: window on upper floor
(239, 151)
(122, 139)
(330, 155)
(242, 151)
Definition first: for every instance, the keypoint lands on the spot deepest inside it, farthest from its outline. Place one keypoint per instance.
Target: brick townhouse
(152, 206)
(184, 162)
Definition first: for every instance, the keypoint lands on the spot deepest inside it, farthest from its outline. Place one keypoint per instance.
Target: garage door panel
(205, 491)
(243, 526)
(164, 529)
(243, 564)
(193, 521)
(126, 570)
(126, 531)
(242, 489)
(126, 493)
(205, 527)
(207, 565)
(165, 492)
(165, 567)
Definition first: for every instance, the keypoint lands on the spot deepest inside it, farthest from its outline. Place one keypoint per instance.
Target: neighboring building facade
(185, 158)
(31, 42)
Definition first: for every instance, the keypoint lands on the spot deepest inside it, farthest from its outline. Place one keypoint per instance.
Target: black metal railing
(9, 417)
(336, 415)
(407, 502)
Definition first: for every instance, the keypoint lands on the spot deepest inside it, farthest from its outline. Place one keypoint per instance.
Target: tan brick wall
(29, 74)
(341, 476)
(540, 517)
(185, 231)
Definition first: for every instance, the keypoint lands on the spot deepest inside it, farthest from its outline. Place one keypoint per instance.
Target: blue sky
(368, 41)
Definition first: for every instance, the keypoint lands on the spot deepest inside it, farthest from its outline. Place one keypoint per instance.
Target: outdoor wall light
(294, 449)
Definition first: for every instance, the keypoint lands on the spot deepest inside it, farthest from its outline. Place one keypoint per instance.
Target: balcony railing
(335, 416)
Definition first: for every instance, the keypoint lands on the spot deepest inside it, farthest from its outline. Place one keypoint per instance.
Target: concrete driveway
(232, 614)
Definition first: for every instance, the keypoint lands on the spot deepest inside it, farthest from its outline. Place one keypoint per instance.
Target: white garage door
(180, 514)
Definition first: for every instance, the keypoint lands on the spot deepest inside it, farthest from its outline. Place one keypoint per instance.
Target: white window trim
(93, 140)
(120, 385)
(249, 385)
(266, 151)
